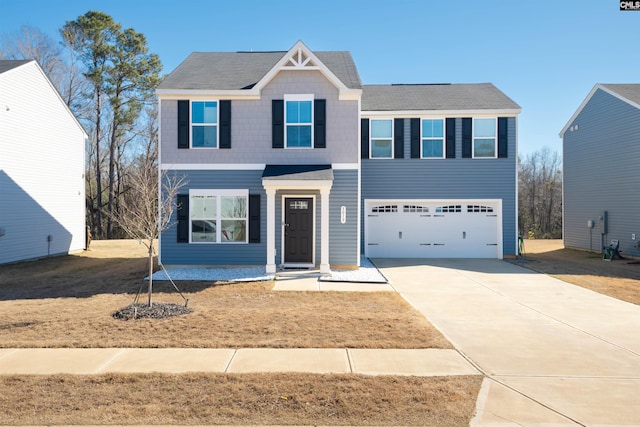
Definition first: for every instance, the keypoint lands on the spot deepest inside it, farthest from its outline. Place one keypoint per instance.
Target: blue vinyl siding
(342, 237)
(173, 253)
(448, 179)
(343, 240)
(600, 173)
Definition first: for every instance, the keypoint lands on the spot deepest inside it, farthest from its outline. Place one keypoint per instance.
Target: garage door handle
(400, 235)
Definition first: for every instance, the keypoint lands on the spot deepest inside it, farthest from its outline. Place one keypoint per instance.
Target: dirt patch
(248, 399)
(69, 302)
(618, 279)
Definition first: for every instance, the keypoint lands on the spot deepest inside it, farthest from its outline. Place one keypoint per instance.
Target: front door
(298, 230)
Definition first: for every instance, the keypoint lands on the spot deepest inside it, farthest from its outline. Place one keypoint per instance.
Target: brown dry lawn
(619, 278)
(248, 399)
(68, 301)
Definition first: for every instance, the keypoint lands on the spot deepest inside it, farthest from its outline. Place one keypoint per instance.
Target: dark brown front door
(298, 230)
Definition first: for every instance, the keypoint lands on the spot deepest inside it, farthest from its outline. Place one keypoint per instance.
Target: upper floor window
(299, 121)
(484, 138)
(432, 139)
(204, 124)
(381, 134)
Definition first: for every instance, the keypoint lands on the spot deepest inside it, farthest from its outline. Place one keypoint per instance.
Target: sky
(546, 55)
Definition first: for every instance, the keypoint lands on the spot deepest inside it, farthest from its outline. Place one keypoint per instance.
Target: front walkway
(554, 354)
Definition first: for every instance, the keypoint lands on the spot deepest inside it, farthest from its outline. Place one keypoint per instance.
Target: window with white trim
(298, 118)
(204, 124)
(218, 216)
(432, 144)
(484, 138)
(381, 138)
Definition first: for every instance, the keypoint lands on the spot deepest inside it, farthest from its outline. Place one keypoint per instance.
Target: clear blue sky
(545, 54)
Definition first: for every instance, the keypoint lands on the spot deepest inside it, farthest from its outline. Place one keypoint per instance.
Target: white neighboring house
(42, 155)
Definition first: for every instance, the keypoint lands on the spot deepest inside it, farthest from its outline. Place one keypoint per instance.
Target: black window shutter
(466, 137)
(398, 138)
(254, 218)
(183, 124)
(451, 138)
(277, 122)
(415, 138)
(364, 138)
(225, 124)
(183, 218)
(319, 123)
(503, 138)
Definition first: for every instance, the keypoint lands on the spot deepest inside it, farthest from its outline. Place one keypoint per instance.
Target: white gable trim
(301, 58)
(588, 98)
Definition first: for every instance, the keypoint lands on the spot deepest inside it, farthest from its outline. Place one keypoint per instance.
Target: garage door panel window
(484, 138)
(384, 209)
(432, 139)
(449, 209)
(415, 208)
(479, 208)
(381, 134)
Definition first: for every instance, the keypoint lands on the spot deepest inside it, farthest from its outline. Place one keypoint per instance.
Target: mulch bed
(157, 310)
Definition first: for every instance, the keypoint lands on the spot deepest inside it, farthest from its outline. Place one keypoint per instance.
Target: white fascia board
(175, 94)
(588, 98)
(212, 166)
(345, 166)
(296, 184)
(579, 110)
(440, 113)
(618, 96)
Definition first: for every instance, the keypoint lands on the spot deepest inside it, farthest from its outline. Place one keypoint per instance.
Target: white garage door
(433, 229)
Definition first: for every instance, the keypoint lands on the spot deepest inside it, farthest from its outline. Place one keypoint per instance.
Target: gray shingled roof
(628, 91)
(481, 96)
(242, 70)
(8, 64)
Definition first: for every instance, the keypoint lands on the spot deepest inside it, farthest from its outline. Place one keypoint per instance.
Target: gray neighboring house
(292, 162)
(42, 153)
(601, 154)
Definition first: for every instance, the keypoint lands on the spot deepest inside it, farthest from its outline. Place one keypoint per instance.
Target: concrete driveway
(554, 354)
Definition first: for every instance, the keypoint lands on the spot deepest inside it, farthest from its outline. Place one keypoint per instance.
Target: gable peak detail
(299, 58)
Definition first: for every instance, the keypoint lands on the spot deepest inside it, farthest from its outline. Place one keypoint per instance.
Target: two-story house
(292, 162)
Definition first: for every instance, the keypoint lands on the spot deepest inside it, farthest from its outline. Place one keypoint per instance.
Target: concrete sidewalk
(554, 354)
(84, 361)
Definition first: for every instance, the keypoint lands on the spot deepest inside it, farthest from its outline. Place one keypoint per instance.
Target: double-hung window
(299, 121)
(432, 145)
(204, 124)
(381, 134)
(484, 138)
(218, 216)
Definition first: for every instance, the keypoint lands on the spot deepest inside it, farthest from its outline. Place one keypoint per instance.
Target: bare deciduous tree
(140, 214)
(540, 195)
